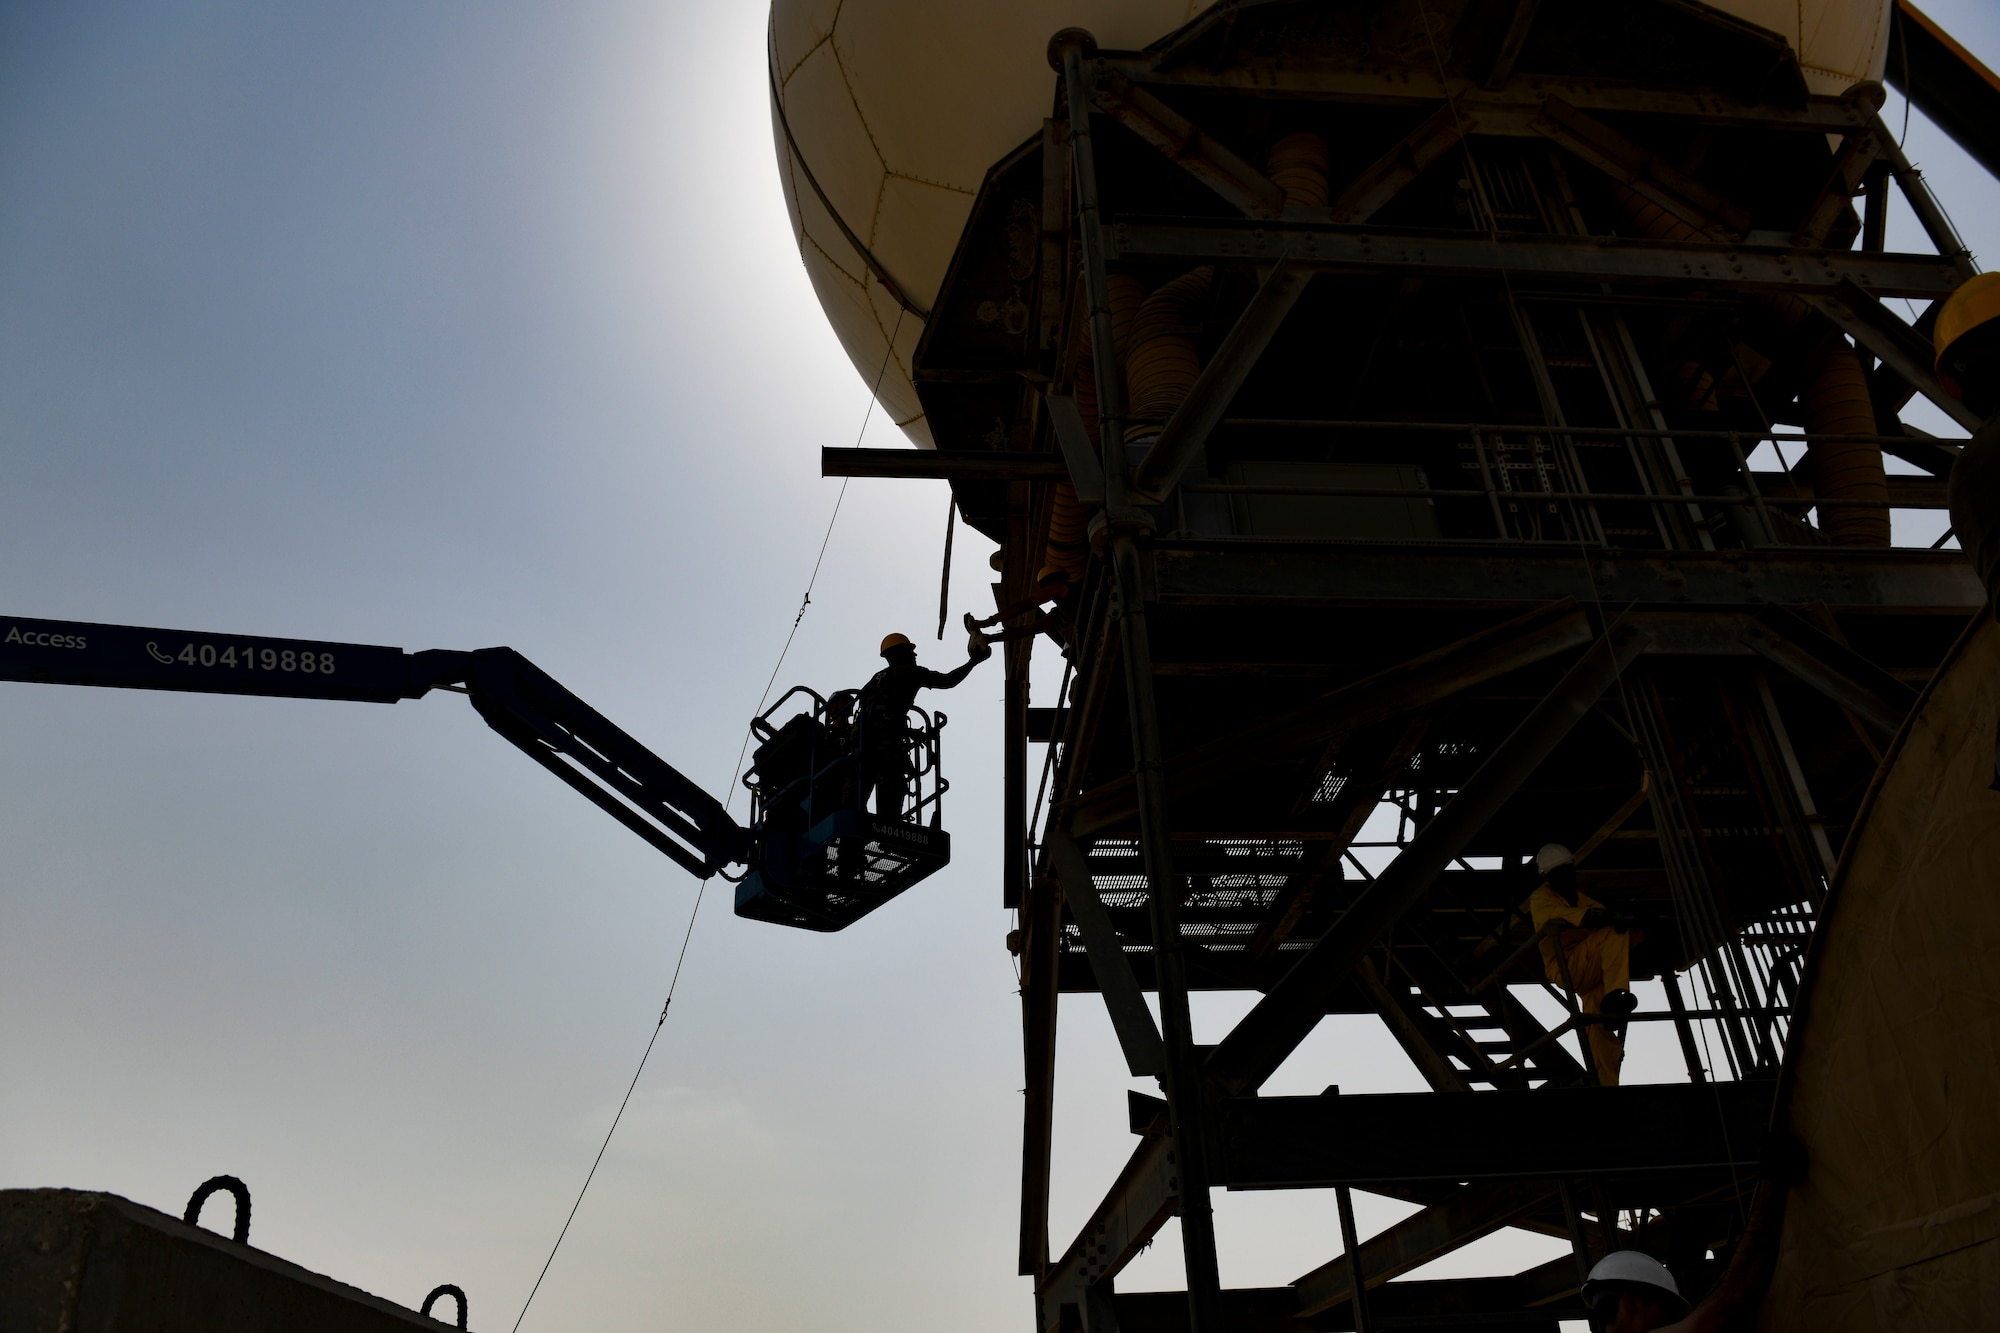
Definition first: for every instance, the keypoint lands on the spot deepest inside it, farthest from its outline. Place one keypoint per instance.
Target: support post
(1184, 1086)
(1682, 1028)
(1014, 763)
(1911, 181)
(1350, 1241)
(1071, 48)
(1579, 1244)
(1100, 1306)
(1041, 955)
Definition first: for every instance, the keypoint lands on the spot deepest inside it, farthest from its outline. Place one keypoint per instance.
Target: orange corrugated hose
(1836, 403)
(1298, 164)
(1162, 364)
(1069, 539)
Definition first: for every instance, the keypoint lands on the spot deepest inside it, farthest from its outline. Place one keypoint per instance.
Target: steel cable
(730, 795)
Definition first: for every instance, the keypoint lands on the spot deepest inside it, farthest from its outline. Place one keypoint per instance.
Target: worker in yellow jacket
(1596, 952)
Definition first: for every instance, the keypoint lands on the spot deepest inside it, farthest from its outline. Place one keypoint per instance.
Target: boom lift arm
(519, 700)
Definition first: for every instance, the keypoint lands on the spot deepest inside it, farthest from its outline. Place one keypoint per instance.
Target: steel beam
(940, 464)
(1381, 85)
(1521, 255)
(1086, 474)
(1138, 1204)
(1474, 1211)
(1646, 173)
(1245, 1310)
(1521, 1303)
(1477, 574)
(1126, 1003)
(1901, 348)
(1516, 37)
(1184, 143)
(1186, 433)
(1543, 1133)
(1385, 178)
(1948, 83)
(1041, 976)
(1072, 48)
(1930, 215)
(1370, 774)
(1439, 1072)
(1386, 695)
(1831, 667)
(1183, 1082)
(1287, 1014)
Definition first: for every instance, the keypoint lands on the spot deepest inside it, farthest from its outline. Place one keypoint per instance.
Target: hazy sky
(448, 325)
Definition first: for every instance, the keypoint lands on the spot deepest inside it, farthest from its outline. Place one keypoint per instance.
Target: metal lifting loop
(235, 1187)
(447, 1289)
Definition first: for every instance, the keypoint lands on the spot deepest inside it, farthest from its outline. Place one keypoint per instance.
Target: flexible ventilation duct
(1836, 402)
(1298, 165)
(1069, 540)
(1162, 364)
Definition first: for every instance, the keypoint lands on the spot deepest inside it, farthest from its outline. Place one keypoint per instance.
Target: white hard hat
(1631, 1266)
(1553, 854)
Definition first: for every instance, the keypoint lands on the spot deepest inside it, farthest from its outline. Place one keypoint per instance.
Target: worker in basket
(1052, 585)
(885, 703)
(1593, 957)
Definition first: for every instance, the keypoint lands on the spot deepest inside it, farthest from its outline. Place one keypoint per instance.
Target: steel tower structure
(1389, 378)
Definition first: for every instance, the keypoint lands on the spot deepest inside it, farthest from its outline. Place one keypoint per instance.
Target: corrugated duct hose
(1298, 165)
(1162, 363)
(1155, 342)
(1836, 402)
(1069, 540)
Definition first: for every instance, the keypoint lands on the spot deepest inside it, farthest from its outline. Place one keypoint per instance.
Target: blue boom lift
(811, 856)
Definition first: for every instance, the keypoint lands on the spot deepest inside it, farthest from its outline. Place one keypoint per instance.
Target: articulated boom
(519, 700)
(813, 857)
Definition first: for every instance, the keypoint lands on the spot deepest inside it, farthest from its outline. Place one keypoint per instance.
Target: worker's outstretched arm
(944, 680)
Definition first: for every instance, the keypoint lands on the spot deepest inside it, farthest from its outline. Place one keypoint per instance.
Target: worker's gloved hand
(1598, 917)
(977, 648)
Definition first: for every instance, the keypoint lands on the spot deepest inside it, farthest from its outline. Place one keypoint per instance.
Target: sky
(447, 325)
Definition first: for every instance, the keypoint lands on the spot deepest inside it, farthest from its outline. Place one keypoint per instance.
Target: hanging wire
(813, 580)
(1903, 41)
(730, 795)
(598, 1160)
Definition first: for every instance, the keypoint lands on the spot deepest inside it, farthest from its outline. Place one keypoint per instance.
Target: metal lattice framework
(1458, 530)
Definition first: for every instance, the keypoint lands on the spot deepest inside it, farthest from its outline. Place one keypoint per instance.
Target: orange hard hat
(896, 641)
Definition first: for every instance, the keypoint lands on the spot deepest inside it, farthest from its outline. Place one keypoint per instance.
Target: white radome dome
(1839, 43)
(898, 107)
